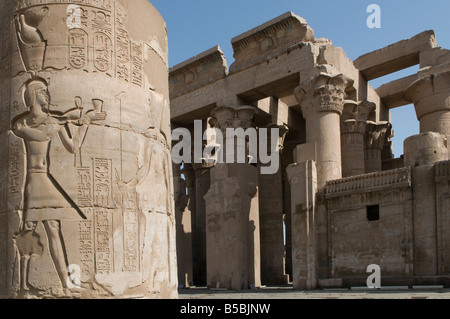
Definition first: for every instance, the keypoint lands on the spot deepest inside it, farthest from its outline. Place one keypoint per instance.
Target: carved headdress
(31, 43)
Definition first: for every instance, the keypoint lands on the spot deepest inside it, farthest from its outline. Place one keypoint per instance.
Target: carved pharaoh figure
(45, 201)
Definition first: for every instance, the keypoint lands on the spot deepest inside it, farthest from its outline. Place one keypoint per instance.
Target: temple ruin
(340, 200)
(93, 205)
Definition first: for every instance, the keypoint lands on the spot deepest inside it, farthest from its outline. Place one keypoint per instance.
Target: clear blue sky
(198, 25)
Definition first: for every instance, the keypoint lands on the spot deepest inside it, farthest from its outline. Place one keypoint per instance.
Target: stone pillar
(377, 135)
(303, 180)
(232, 214)
(353, 129)
(183, 217)
(422, 151)
(87, 204)
(271, 219)
(431, 97)
(202, 185)
(322, 101)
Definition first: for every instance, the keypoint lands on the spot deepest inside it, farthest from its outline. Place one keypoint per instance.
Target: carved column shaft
(322, 101)
(431, 97)
(271, 218)
(232, 215)
(376, 137)
(353, 129)
(88, 204)
(183, 217)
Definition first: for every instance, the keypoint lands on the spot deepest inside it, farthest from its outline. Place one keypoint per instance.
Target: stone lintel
(198, 71)
(269, 39)
(395, 57)
(392, 93)
(277, 78)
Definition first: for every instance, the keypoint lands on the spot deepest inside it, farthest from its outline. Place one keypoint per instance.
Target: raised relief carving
(103, 4)
(102, 182)
(103, 241)
(78, 48)
(30, 40)
(137, 63)
(101, 22)
(122, 42)
(44, 199)
(323, 93)
(102, 52)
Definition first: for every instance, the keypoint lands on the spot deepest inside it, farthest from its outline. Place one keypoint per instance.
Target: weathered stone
(339, 126)
(86, 128)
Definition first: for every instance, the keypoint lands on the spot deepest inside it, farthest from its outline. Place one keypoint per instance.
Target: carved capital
(430, 93)
(355, 116)
(377, 135)
(323, 93)
(234, 117)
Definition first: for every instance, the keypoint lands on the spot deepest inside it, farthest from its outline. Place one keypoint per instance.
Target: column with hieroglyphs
(87, 209)
(232, 212)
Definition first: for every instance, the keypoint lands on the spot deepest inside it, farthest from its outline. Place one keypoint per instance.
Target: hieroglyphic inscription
(14, 168)
(5, 69)
(130, 238)
(102, 52)
(103, 4)
(102, 182)
(86, 241)
(137, 63)
(101, 22)
(78, 48)
(103, 241)
(3, 175)
(3, 252)
(122, 42)
(84, 187)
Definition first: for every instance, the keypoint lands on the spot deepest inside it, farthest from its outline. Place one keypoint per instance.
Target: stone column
(232, 214)
(202, 184)
(305, 268)
(322, 101)
(377, 135)
(87, 199)
(271, 218)
(431, 97)
(353, 129)
(183, 217)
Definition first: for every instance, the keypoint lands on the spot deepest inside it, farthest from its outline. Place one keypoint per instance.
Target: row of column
(236, 209)
(236, 215)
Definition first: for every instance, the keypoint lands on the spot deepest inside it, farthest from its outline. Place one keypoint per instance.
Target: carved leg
(24, 262)
(57, 249)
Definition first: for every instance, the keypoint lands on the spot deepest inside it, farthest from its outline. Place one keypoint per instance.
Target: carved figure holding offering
(44, 200)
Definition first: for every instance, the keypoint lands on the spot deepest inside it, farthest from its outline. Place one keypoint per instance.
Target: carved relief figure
(44, 200)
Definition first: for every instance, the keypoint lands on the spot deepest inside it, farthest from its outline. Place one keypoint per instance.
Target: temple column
(271, 218)
(376, 138)
(202, 184)
(322, 101)
(86, 201)
(232, 213)
(431, 97)
(183, 218)
(353, 129)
